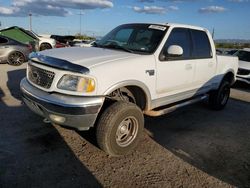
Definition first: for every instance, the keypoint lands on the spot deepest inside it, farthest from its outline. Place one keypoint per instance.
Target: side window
(3, 40)
(180, 37)
(202, 47)
(123, 35)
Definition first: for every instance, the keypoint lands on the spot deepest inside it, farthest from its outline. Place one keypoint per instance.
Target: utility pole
(80, 21)
(213, 34)
(30, 15)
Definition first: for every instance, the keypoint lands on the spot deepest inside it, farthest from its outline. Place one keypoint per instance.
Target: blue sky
(229, 18)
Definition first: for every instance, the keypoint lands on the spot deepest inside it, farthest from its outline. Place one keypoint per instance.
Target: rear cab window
(201, 44)
(195, 44)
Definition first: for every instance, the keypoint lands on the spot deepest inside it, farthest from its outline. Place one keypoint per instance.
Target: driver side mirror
(173, 51)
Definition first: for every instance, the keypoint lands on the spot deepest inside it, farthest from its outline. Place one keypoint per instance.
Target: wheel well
(16, 51)
(139, 95)
(45, 43)
(229, 77)
(132, 94)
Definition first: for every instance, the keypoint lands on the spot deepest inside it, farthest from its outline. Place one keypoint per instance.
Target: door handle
(188, 66)
(150, 72)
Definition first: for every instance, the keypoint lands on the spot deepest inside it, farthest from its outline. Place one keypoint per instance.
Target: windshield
(134, 38)
(243, 55)
(33, 34)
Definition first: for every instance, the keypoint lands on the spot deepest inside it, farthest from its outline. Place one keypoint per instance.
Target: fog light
(56, 118)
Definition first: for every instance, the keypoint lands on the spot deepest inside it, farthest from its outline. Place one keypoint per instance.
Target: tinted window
(180, 37)
(202, 48)
(3, 40)
(143, 35)
(243, 55)
(123, 35)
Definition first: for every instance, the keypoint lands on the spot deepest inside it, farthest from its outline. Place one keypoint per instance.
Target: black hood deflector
(57, 63)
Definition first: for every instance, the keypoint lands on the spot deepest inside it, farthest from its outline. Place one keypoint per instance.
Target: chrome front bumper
(73, 111)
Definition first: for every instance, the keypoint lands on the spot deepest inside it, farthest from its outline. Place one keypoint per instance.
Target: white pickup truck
(135, 69)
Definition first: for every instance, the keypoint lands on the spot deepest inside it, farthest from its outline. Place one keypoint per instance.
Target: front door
(175, 74)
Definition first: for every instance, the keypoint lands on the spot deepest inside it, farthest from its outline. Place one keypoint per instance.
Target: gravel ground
(192, 147)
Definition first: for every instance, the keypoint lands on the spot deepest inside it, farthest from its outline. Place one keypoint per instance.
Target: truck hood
(244, 65)
(87, 57)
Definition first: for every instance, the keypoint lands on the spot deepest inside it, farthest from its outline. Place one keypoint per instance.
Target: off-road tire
(120, 128)
(218, 98)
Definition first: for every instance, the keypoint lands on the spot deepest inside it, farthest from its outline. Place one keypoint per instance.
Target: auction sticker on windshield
(158, 27)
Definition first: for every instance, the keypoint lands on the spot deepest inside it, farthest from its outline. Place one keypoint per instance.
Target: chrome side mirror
(175, 51)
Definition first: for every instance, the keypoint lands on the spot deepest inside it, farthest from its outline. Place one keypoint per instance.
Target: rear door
(205, 63)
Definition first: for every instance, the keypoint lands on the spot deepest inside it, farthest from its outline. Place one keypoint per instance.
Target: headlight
(76, 83)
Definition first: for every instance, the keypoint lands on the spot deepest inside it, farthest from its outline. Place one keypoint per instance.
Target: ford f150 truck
(135, 69)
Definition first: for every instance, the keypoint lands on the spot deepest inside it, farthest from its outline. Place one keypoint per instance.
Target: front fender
(132, 83)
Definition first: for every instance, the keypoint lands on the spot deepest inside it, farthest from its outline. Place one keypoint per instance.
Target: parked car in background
(83, 43)
(61, 45)
(13, 52)
(231, 52)
(21, 35)
(67, 39)
(243, 73)
(44, 42)
(218, 51)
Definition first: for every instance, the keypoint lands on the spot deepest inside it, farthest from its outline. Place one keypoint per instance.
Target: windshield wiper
(113, 46)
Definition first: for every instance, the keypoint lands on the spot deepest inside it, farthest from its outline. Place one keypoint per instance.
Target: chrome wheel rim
(127, 131)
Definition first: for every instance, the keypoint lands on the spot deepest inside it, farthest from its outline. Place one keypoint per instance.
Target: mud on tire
(120, 128)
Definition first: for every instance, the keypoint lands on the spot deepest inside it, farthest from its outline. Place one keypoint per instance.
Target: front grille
(40, 77)
(243, 72)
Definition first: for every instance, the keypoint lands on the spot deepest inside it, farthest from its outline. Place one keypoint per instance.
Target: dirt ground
(192, 147)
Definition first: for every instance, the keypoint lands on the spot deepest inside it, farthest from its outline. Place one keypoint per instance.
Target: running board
(175, 107)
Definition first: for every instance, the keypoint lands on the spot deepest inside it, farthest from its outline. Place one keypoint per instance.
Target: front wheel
(120, 128)
(16, 58)
(45, 46)
(218, 98)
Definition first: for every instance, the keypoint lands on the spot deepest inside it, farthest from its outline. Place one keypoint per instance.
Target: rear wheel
(218, 98)
(16, 58)
(120, 128)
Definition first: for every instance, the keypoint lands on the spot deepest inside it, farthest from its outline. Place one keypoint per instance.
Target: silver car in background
(243, 73)
(13, 52)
